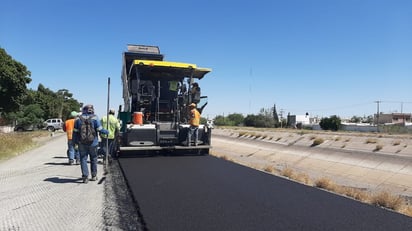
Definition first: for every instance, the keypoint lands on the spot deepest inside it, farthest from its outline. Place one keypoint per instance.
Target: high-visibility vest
(69, 126)
(194, 117)
(114, 126)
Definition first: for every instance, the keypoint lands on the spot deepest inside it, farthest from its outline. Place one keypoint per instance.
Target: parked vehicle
(26, 127)
(53, 124)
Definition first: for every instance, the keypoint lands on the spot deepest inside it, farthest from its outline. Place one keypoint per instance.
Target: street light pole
(377, 115)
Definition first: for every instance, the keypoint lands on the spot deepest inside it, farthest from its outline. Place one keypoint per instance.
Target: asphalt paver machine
(156, 96)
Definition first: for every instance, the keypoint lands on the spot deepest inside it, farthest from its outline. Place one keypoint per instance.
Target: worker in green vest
(111, 124)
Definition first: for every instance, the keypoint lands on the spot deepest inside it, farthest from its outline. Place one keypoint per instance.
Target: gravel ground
(40, 191)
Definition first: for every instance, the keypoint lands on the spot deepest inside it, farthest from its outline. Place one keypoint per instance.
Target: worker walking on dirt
(194, 121)
(72, 152)
(113, 126)
(86, 129)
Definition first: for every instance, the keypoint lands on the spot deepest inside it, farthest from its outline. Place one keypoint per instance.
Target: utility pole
(377, 115)
(403, 115)
(281, 118)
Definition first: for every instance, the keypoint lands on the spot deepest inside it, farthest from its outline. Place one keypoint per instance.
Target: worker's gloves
(104, 131)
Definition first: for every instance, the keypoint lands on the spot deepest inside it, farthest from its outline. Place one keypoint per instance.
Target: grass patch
(378, 147)
(325, 183)
(387, 200)
(301, 177)
(312, 137)
(16, 143)
(317, 141)
(269, 169)
(353, 193)
(287, 172)
(371, 141)
(242, 134)
(407, 210)
(337, 138)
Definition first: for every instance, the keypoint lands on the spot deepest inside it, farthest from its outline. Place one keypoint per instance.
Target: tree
(14, 77)
(55, 104)
(355, 119)
(260, 121)
(368, 119)
(219, 120)
(28, 115)
(332, 123)
(235, 119)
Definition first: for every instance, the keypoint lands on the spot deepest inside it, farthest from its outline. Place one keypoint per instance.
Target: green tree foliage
(355, 119)
(367, 119)
(332, 123)
(56, 104)
(14, 77)
(220, 120)
(203, 120)
(29, 114)
(27, 106)
(235, 119)
(260, 121)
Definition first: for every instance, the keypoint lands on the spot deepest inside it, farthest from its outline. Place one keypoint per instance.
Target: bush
(332, 123)
(317, 141)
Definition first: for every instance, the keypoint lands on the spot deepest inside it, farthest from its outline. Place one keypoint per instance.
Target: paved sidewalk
(40, 191)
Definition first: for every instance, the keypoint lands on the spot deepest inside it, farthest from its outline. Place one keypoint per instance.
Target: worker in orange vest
(72, 152)
(194, 121)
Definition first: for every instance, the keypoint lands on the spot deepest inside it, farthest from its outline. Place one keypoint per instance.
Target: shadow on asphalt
(60, 157)
(52, 163)
(59, 180)
(151, 154)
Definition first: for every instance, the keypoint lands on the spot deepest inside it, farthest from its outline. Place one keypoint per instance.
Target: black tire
(51, 129)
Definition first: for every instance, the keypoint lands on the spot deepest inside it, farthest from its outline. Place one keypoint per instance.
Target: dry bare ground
(373, 168)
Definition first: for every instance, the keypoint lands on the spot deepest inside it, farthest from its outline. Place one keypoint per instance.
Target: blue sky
(324, 57)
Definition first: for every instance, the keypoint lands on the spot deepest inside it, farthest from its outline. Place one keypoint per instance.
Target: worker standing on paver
(86, 130)
(194, 121)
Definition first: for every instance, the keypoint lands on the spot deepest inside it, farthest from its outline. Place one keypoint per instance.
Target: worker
(194, 121)
(72, 151)
(195, 93)
(86, 129)
(113, 128)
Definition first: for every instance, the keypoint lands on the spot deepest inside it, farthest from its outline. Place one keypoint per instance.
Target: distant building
(297, 121)
(393, 118)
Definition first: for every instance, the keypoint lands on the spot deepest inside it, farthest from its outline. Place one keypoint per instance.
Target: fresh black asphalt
(208, 193)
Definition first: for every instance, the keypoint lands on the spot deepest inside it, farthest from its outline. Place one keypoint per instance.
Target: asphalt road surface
(208, 193)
